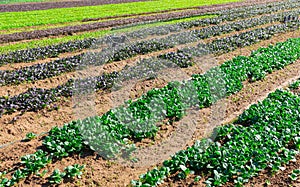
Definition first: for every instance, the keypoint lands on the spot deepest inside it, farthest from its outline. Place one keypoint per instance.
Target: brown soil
(296, 91)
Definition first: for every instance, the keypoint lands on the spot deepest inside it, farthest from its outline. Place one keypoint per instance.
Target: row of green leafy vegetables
(35, 99)
(33, 162)
(186, 162)
(126, 51)
(265, 136)
(33, 54)
(202, 90)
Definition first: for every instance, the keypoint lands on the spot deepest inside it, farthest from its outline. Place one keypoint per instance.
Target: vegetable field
(149, 93)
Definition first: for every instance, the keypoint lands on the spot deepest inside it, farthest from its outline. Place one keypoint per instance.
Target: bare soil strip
(68, 30)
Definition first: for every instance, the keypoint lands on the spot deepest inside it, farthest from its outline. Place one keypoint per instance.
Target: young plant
(30, 136)
(74, 171)
(294, 175)
(56, 177)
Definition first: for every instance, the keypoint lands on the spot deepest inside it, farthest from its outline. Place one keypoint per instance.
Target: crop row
(51, 5)
(265, 136)
(36, 99)
(226, 15)
(109, 134)
(57, 67)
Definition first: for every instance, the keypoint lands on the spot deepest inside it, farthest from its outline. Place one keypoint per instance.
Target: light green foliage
(10, 20)
(69, 172)
(56, 177)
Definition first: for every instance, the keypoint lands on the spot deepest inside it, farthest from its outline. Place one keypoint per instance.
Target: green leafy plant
(74, 171)
(56, 177)
(34, 162)
(295, 85)
(30, 136)
(294, 175)
(261, 142)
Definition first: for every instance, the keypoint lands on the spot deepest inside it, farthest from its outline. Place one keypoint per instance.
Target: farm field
(149, 93)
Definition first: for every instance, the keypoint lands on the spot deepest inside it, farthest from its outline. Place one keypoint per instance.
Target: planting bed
(202, 102)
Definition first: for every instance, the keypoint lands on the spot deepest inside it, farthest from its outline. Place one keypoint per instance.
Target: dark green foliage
(62, 142)
(263, 140)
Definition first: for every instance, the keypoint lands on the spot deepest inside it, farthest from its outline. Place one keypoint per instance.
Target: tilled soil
(69, 30)
(279, 179)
